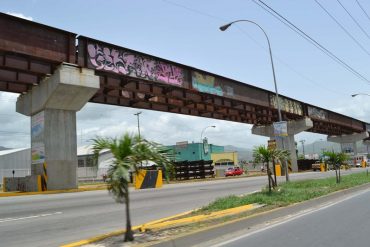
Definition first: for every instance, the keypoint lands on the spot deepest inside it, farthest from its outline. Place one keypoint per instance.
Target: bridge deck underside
(132, 92)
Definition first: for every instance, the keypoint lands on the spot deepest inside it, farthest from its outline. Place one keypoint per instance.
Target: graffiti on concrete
(287, 105)
(209, 84)
(206, 84)
(135, 65)
(317, 113)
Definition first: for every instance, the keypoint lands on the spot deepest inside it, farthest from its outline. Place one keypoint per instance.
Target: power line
(363, 10)
(309, 39)
(308, 79)
(342, 27)
(259, 45)
(194, 10)
(354, 20)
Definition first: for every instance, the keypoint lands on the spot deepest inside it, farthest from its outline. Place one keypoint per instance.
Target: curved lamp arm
(224, 27)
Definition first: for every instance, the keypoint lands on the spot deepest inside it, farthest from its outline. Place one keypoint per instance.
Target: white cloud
(15, 127)
(20, 15)
(166, 128)
(358, 108)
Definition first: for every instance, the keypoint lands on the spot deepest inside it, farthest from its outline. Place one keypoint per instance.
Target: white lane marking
(28, 217)
(289, 218)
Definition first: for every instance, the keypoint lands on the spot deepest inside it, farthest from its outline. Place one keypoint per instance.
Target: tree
(301, 157)
(263, 155)
(336, 160)
(128, 152)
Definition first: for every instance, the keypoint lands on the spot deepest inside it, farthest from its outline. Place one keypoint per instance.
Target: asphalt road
(341, 224)
(52, 220)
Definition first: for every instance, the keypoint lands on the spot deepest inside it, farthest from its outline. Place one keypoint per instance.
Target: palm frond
(129, 152)
(99, 144)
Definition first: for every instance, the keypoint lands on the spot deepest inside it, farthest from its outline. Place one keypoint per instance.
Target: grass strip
(288, 193)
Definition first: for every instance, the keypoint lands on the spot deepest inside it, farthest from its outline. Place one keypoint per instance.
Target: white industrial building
(19, 161)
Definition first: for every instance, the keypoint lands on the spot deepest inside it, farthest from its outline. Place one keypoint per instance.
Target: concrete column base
(352, 139)
(367, 144)
(52, 106)
(287, 143)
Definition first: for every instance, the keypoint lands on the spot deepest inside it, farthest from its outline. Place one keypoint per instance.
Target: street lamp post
(223, 28)
(356, 94)
(201, 139)
(366, 94)
(138, 122)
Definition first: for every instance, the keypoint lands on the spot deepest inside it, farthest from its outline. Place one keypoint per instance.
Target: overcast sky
(187, 32)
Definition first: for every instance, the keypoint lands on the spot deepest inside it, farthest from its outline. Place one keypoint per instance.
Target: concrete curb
(115, 233)
(97, 238)
(8, 194)
(167, 222)
(164, 223)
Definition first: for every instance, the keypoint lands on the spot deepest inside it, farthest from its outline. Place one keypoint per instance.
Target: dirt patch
(154, 236)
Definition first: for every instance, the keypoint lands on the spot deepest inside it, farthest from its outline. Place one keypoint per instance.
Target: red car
(233, 171)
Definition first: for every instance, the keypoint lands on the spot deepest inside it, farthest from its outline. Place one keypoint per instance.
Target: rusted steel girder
(30, 52)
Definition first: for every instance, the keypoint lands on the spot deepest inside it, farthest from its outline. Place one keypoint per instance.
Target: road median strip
(286, 194)
(171, 221)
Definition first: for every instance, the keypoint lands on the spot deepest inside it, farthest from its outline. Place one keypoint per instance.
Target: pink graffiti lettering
(169, 74)
(127, 63)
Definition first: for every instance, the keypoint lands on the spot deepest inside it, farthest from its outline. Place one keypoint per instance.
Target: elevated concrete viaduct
(288, 143)
(353, 139)
(57, 72)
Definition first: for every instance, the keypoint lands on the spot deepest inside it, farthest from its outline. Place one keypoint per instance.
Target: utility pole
(303, 141)
(138, 122)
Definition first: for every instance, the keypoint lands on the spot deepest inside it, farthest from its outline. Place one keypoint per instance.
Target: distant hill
(243, 153)
(3, 148)
(319, 146)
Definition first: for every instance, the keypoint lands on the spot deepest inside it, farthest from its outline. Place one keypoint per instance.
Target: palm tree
(128, 152)
(264, 155)
(336, 160)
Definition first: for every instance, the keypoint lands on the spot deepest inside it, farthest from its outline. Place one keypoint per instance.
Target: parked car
(233, 171)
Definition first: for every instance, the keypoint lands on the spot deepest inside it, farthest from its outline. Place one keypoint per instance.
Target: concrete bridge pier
(294, 127)
(367, 144)
(52, 106)
(354, 138)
